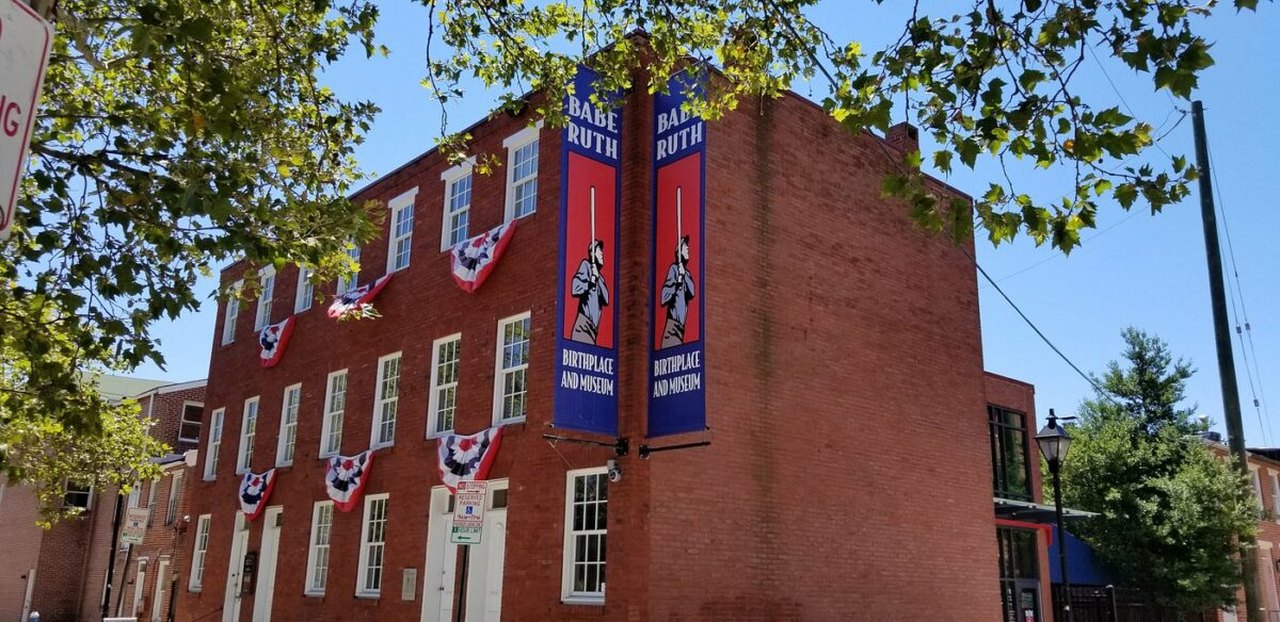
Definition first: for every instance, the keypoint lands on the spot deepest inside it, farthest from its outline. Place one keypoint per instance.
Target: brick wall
(844, 353)
(21, 547)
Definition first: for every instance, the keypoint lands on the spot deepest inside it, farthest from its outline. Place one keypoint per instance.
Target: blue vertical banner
(586, 391)
(677, 390)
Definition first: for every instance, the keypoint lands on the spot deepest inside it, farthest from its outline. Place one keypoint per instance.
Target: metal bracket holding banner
(621, 446)
(25, 40)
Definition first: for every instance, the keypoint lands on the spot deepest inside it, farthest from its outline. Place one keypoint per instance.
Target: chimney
(904, 137)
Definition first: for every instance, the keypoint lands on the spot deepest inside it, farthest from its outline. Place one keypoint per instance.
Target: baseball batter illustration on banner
(677, 393)
(586, 357)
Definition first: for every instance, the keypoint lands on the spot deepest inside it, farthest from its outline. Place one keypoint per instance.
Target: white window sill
(313, 594)
(188, 440)
(327, 455)
(441, 434)
(281, 465)
(583, 600)
(369, 595)
(503, 422)
(377, 446)
(209, 478)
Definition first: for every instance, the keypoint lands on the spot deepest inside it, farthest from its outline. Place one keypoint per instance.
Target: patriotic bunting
(255, 488)
(273, 340)
(475, 258)
(346, 478)
(358, 298)
(467, 458)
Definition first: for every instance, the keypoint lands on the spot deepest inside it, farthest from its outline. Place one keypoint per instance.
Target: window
(305, 293)
(153, 493)
(77, 495)
(585, 528)
(522, 172)
(1257, 485)
(318, 552)
(215, 441)
(135, 494)
(189, 428)
(335, 402)
(386, 400)
(457, 204)
(266, 292)
(442, 402)
(1275, 496)
(288, 425)
(175, 497)
(401, 231)
(231, 312)
(373, 540)
(1018, 562)
(347, 284)
(197, 555)
(1010, 469)
(512, 365)
(248, 430)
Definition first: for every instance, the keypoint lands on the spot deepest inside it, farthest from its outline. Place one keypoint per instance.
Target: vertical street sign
(25, 39)
(468, 512)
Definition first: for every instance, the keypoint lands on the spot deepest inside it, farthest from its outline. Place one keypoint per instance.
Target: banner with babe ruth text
(677, 394)
(586, 323)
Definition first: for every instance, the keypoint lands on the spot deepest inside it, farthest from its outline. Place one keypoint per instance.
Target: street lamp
(1054, 442)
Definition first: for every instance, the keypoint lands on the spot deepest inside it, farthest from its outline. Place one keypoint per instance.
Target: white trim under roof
(174, 388)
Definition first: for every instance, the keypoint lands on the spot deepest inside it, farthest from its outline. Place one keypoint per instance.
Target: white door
(235, 564)
(139, 580)
(485, 564)
(267, 565)
(157, 601)
(442, 560)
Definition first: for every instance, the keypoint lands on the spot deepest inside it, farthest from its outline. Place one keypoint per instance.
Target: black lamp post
(1054, 443)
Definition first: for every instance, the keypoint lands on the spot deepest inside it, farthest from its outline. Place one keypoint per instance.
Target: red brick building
(847, 475)
(61, 573)
(1264, 467)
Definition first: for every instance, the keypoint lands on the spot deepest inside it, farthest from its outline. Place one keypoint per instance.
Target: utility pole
(1226, 360)
(111, 559)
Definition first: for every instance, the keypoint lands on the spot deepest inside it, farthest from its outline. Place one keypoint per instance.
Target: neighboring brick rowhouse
(1264, 467)
(849, 472)
(70, 560)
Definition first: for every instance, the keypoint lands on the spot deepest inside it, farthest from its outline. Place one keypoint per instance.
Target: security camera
(615, 471)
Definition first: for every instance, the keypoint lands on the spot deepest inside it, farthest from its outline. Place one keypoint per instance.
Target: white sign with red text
(25, 39)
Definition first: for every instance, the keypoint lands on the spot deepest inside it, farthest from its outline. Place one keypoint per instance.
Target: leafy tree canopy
(173, 135)
(1173, 516)
(178, 134)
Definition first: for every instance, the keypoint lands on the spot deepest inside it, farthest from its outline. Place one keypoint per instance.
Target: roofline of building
(640, 33)
(1251, 451)
(1007, 378)
(174, 388)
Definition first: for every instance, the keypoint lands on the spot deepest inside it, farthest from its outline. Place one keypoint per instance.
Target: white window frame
(231, 312)
(215, 443)
(1275, 495)
(402, 204)
(314, 546)
(384, 405)
(153, 495)
(327, 421)
(500, 373)
(433, 397)
(175, 497)
(183, 421)
(305, 291)
(198, 551)
(86, 491)
(344, 284)
(367, 546)
(287, 440)
(450, 177)
(248, 434)
(569, 554)
(512, 144)
(266, 295)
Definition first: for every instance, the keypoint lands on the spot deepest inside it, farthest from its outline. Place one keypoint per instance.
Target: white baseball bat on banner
(593, 214)
(679, 215)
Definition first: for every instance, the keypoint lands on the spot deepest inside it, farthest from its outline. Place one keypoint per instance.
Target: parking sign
(25, 39)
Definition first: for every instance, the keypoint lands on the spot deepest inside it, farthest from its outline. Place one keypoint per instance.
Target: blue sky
(1135, 269)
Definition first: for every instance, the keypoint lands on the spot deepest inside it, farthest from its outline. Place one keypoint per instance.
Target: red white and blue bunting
(475, 258)
(346, 477)
(357, 299)
(255, 489)
(273, 340)
(467, 458)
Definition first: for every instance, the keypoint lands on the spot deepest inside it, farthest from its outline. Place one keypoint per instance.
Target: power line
(1252, 368)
